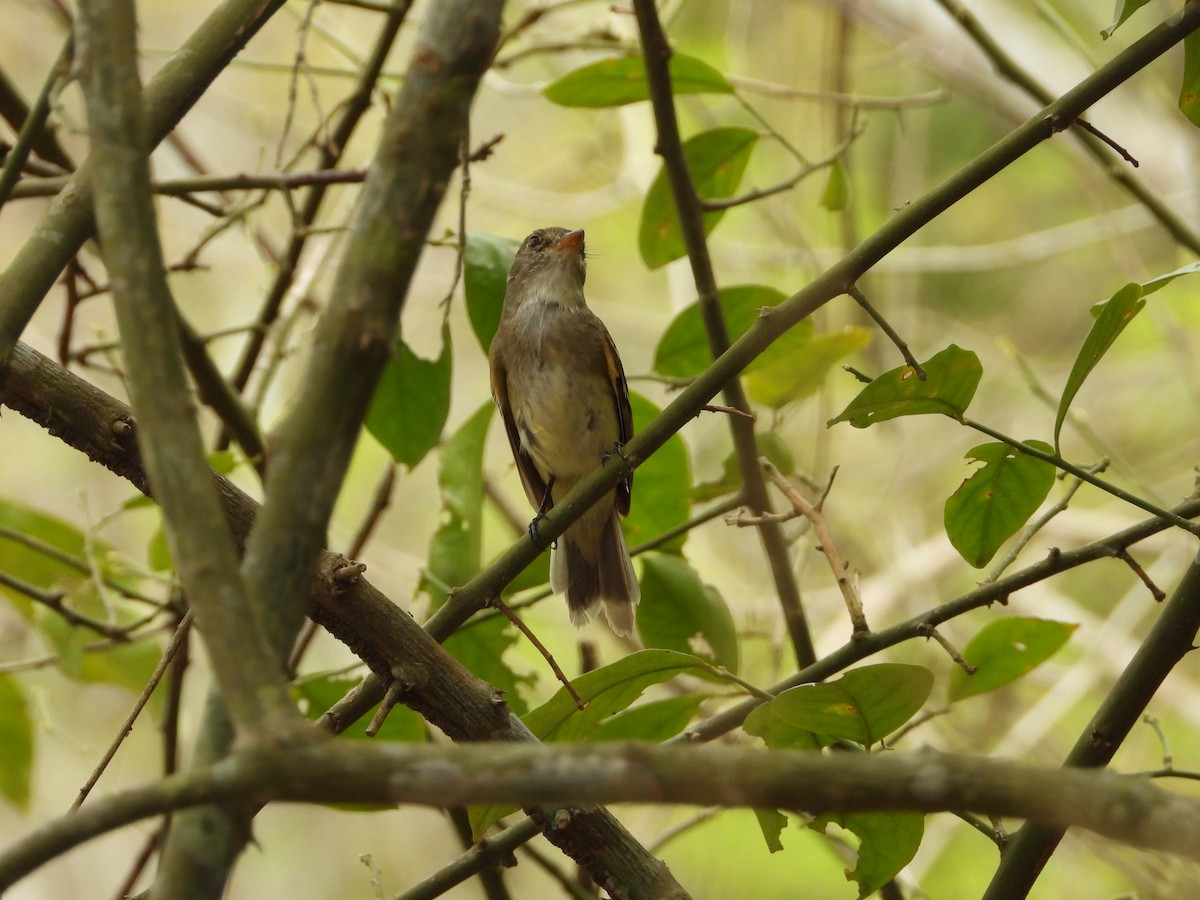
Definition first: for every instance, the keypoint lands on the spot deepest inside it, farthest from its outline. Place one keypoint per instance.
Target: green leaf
(660, 486)
(951, 378)
(16, 743)
(989, 507)
(1005, 650)
(411, 403)
(456, 548)
(770, 445)
(683, 351)
(1112, 316)
(782, 381)
(1189, 90)
(606, 691)
(1115, 314)
(772, 822)
(455, 555)
(485, 270)
(316, 693)
(888, 841)
(223, 462)
(865, 705)
(654, 721)
(1125, 9)
(158, 551)
(31, 565)
(717, 160)
(617, 82)
(679, 612)
(837, 189)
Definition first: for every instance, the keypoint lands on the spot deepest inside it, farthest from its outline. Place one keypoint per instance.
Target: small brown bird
(561, 390)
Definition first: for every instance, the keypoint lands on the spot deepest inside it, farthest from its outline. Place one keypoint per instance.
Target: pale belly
(567, 421)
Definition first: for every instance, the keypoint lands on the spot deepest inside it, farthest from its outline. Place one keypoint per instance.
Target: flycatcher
(561, 390)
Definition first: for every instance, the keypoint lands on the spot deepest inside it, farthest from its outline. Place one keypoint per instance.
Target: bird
(560, 387)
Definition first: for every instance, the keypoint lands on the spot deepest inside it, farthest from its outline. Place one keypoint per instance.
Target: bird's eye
(534, 241)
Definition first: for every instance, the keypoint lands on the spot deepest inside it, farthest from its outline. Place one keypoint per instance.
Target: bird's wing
(531, 479)
(620, 395)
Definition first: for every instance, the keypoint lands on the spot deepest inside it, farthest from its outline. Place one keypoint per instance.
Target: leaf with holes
(888, 841)
(865, 705)
(1005, 650)
(951, 378)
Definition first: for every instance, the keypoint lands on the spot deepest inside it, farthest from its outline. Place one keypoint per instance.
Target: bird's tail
(591, 566)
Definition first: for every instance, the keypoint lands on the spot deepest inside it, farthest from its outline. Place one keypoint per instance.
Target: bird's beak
(572, 240)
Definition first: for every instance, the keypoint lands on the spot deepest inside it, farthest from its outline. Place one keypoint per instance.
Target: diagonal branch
(369, 623)
(253, 687)
(1169, 640)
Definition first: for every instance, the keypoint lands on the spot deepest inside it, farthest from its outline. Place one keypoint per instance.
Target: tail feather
(595, 572)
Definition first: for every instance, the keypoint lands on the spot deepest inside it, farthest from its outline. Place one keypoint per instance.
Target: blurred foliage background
(1009, 273)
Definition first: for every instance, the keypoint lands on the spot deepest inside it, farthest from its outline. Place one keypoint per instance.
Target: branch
(312, 446)
(252, 686)
(657, 54)
(918, 627)
(374, 627)
(1169, 640)
(1127, 808)
(1095, 143)
(179, 187)
(353, 109)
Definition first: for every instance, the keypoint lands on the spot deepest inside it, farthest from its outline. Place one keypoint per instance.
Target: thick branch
(312, 448)
(380, 632)
(253, 687)
(1126, 808)
(1169, 640)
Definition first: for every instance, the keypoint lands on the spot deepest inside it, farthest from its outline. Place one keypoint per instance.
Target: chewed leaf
(1005, 650)
(989, 507)
(951, 378)
(865, 705)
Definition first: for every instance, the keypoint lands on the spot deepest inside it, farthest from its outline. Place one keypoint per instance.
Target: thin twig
(826, 545)
(728, 410)
(895, 338)
(786, 185)
(127, 726)
(1168, 759)
(931, 631)
(546, 654)
(1156, 592)
(182, 187)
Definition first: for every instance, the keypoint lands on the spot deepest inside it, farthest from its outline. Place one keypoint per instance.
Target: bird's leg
(547, 502)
